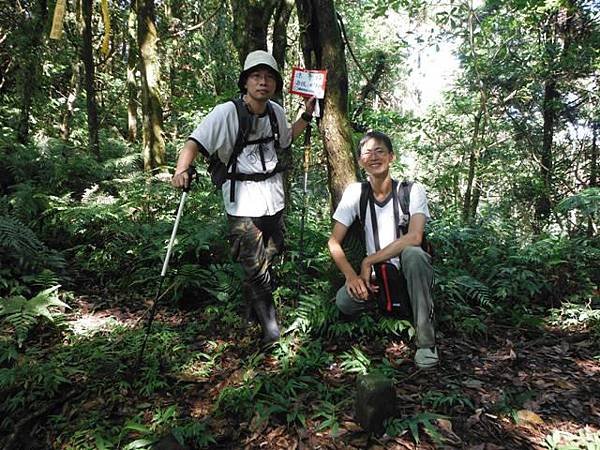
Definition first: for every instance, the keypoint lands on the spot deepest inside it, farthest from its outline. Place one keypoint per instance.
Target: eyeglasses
(267, 76)
(379, 152)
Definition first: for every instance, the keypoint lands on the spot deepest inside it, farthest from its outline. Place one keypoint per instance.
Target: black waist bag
(393, 296)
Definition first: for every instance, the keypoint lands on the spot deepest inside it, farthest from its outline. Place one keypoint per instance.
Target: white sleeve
(347, 210)
(218, 130)
(418, 200)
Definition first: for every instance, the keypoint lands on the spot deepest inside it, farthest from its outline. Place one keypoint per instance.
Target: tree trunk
(593, 172)
(132, 87)
(154, 145)
(473, 160)
(543, 203)
(280, 25)
(90, 90)
(28, 81)
(65, 127)
(323, 48)
(251, 24)
(594, 156)
(32, 29)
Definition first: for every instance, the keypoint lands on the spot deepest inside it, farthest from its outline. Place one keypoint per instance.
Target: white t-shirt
(217, 133)
(349, 206)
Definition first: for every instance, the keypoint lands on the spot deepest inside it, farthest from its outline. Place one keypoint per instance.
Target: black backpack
(219, 172)
(403, 196)
(392, 298)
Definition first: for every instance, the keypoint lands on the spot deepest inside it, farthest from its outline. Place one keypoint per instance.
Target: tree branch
(198, 25)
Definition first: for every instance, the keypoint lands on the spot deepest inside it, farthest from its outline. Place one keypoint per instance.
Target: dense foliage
(509, 157)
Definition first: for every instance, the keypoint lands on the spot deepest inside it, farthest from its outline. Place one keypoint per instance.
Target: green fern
(586, 201)
(390, 325)
(465, 287)
(22, 315)
(395, 426)
(222, 281)
(18, 239)
(355, 361)
(307, 313)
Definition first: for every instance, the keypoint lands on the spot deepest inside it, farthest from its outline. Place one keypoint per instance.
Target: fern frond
(22, 314)
(46, 299)
(355, 361)
(465, 287)
(19, 239)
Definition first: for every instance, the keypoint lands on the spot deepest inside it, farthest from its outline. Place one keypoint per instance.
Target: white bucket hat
(255, 59)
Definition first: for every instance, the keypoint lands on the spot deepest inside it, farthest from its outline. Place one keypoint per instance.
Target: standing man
(375, 155)
(253, 191)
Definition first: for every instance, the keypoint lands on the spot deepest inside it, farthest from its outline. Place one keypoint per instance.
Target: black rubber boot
(250, 318)
(265, 312)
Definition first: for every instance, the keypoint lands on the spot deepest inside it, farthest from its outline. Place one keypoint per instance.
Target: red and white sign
(308, 83)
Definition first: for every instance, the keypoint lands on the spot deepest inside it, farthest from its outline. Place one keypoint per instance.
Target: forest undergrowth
(518, 327)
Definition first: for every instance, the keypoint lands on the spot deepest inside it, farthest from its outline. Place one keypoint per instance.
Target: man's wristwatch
(306, 117)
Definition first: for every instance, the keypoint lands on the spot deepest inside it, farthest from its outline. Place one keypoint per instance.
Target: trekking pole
(307, 136)
(192, 175)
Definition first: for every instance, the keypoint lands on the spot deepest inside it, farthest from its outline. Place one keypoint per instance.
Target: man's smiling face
(375, 157)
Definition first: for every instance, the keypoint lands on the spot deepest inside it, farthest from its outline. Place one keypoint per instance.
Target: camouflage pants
(255, 242)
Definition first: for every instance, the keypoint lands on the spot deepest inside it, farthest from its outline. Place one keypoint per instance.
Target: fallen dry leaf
(472, 420)
(445, 427)
(472, 383)
(529, 417)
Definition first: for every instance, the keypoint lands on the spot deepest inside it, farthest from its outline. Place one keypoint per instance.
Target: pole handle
(193, 175)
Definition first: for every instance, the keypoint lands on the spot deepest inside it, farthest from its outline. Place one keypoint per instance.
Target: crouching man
(390, 237)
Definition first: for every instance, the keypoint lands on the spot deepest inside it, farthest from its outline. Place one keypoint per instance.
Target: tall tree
(281, 20)
(74, 86)
(87, 55)
(154, 144)
(472, 191)
(280, 23)
(250, 25)
(132, 62)
(323, 48)
(32, 27)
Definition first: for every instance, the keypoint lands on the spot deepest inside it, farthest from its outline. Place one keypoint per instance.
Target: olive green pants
(417, 269)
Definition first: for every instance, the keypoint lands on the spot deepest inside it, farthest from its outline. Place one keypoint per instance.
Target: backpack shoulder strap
(404, 189)
(365, 187)
(244, 127)
(274, 124)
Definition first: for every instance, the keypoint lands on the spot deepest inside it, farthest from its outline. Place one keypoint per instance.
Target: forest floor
(512, 388)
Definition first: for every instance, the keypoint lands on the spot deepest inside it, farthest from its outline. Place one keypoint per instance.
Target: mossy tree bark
(323, 48)
(251, 24)
(132, 87)
(33, 26)
(87, 55)
(153, 143)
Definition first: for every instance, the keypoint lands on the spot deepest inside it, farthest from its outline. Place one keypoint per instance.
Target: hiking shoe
(426, 358)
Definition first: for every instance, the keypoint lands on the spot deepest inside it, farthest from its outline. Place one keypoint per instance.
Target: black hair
(378, 135)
